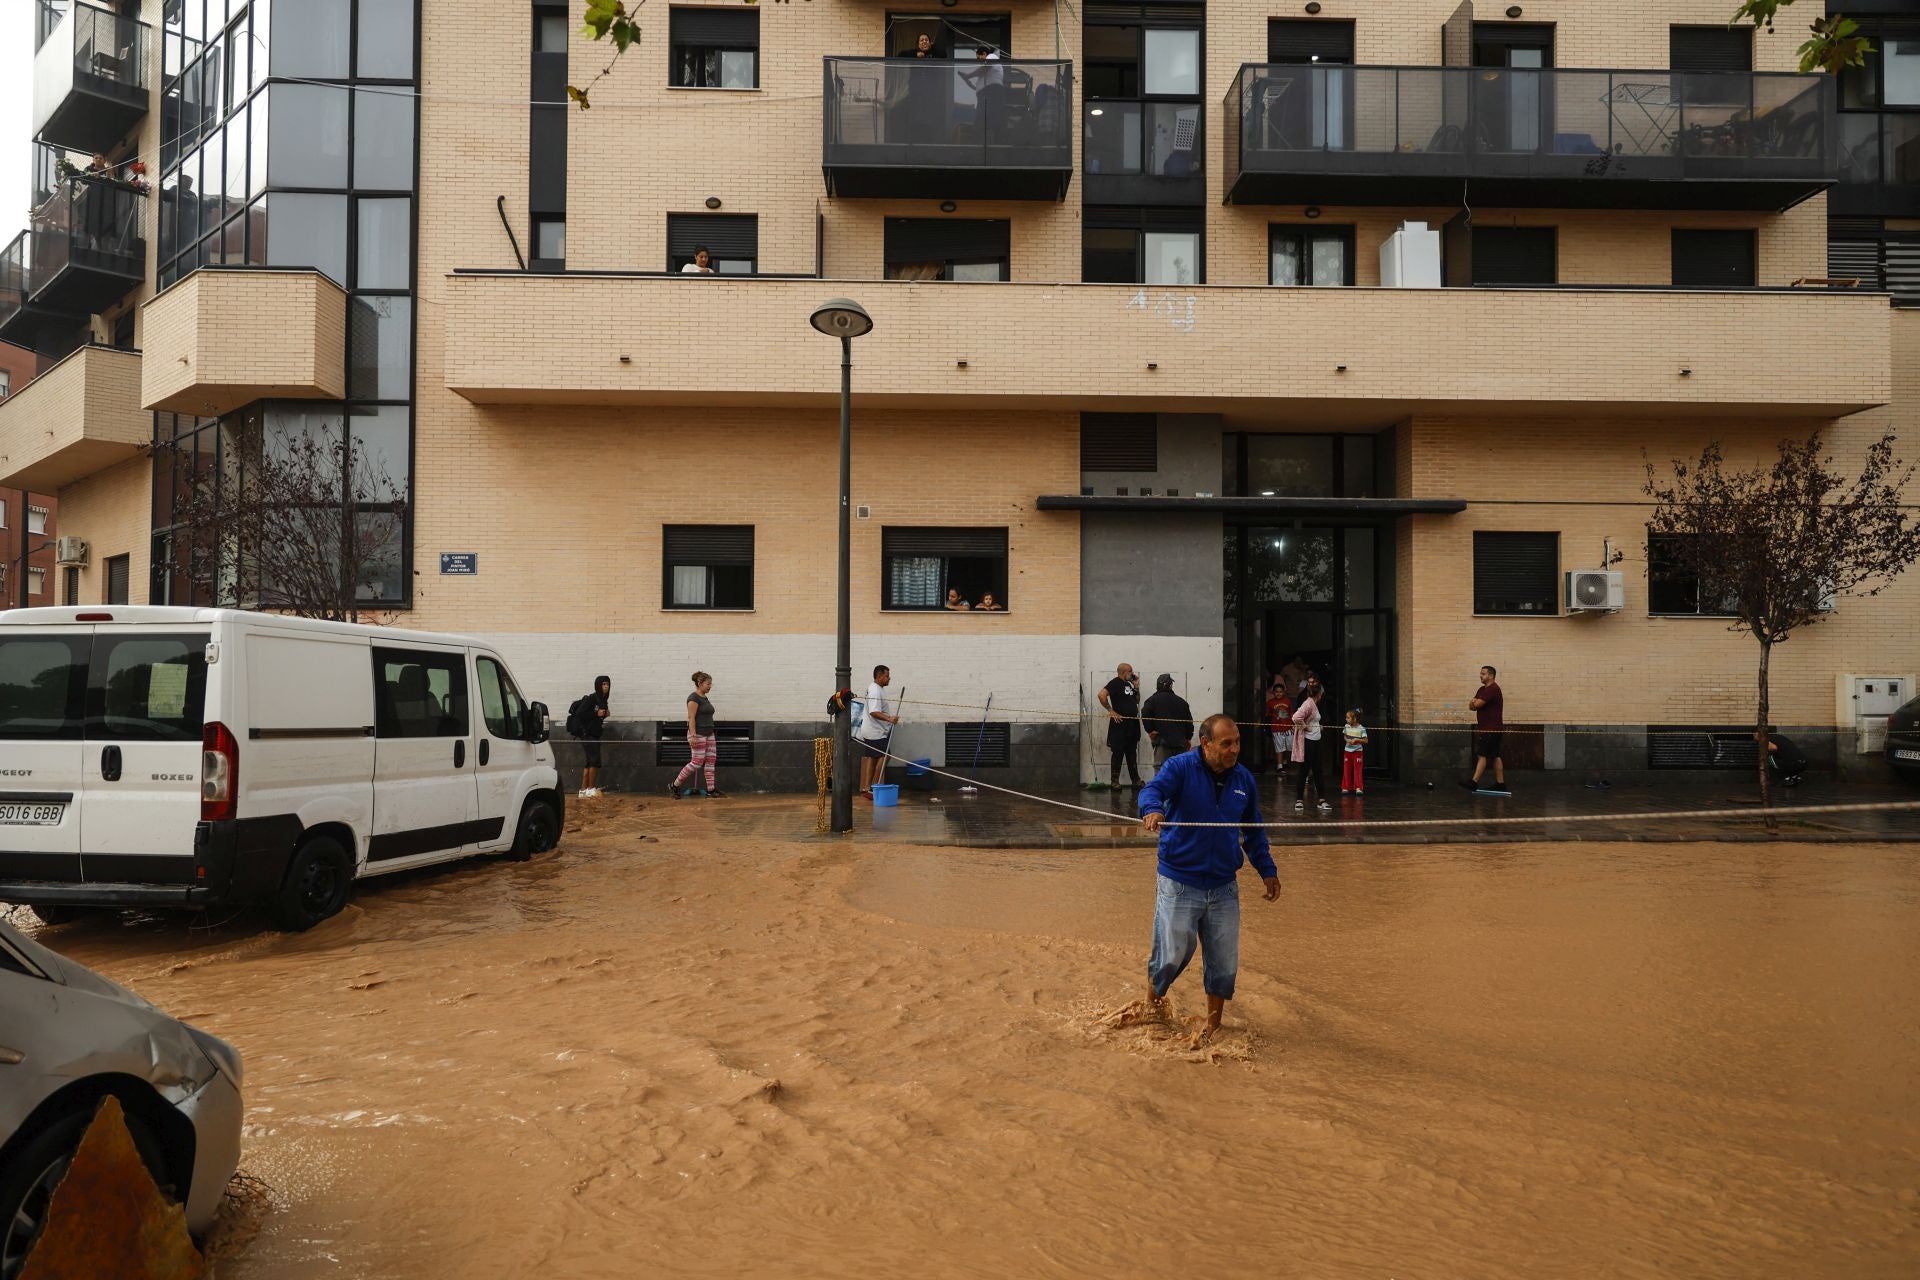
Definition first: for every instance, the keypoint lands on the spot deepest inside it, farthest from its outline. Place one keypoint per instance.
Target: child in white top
(1353, 755)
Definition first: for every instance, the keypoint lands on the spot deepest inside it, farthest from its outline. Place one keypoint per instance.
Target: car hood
(71, 973)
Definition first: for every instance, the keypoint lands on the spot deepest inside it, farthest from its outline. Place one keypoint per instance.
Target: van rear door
(43, 683)
(146, 703)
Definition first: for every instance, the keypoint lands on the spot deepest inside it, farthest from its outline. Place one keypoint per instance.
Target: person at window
(923, 46)
(703, 744)
(1786, 759)
(875, 731)
(702, 264)
(1169, 722)
(98, 166)
(1306, 747)
(1488, 705)
(956, 603)
(1121, 697)
(989, 605)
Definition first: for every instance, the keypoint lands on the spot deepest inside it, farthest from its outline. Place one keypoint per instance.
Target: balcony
(1351, 355)
(76, 419)
(221, 338)
(1558, 139)
(90, 82)
(905, 129)
(1879, 165)
(23, 322)
(89, 246)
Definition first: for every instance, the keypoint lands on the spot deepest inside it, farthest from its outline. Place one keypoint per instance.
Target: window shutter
(1157, 13)
(708, 544)
(1516, 572)
(910, 542)
(723, 28)
(119, 570)
(1514, 255)
(1710, 48)
(727, 235)
(938, 239)
(1119, 442)
(1713, 259)
(969, 743)
(1856, 259)
(1304, 39)
(1903, 271)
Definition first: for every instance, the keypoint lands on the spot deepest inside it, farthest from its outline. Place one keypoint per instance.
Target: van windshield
(43, 682)
(147, 688)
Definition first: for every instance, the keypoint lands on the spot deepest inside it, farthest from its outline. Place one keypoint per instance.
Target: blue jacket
(1185, 790)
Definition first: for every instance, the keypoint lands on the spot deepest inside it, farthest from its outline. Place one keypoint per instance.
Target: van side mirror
(533, 723)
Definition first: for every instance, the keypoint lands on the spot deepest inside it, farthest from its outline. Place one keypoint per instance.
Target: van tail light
(219, 772)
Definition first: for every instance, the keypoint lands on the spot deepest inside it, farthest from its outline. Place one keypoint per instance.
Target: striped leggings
(706, 752)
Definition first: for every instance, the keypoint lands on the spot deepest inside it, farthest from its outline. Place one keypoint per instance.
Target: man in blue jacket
(1199, 898)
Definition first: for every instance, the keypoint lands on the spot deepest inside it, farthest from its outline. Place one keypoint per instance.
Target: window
(1714, 259)
(3, 513)
(1515, 255)
(549, 31)
(947, 249)
(147, 688)
(6, 383)
(1710, 48)
(385, 40)
(70, 585)
(119, 573)
(420, 693)
(920, 565)
(1143, 87)
(1310, 105)
(1141, 246)
(309, 231)
(1672, 588)
(36, 581)
(1319, 256)
(707, 566)
(1900, 71)
(307, 137)
(385, 251)
(382, 139)
(36, 519)
(309, 39)
(731, 239)
(714, 48)
(43, 684)
(379, 347)
(1516, 573)
(500, 704)
(550, 240)
(1119, 442)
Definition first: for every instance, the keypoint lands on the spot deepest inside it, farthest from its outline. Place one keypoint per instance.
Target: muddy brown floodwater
(709, 1054)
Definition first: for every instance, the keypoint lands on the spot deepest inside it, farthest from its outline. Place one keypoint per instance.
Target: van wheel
(538, 832)
(318, 881)
(28, 1181)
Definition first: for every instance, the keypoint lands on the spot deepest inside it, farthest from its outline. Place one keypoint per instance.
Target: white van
(154, 755)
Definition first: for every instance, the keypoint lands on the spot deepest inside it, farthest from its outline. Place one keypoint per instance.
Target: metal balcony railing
(89, 245)
(1568, 137)
(13, 278)
(90, 78)
(914, 128)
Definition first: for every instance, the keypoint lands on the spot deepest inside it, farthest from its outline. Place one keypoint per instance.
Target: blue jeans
(1184, 916)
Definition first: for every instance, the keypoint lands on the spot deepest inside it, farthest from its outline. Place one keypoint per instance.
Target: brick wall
(218, 340)
(112, 510)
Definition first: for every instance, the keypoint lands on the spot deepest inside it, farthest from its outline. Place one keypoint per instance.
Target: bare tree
(291, 521)
(1778, 544)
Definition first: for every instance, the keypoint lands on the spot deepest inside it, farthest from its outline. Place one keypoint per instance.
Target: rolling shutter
(969, 742)
(944, 543)
(1514, 255)
(716, 28)
(943, 239)
(1305, 39)
(1902, 271)
(1855, 259)
(119, 574)
(1713, 259)
(1710, 48)
(1516, 573)
(726, 235)
(1119, 442)
(708, 544)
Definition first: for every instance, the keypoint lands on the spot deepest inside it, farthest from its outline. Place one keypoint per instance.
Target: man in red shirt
(1488, 726)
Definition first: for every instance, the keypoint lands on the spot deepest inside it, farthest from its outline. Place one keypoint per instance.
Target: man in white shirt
(875, 731)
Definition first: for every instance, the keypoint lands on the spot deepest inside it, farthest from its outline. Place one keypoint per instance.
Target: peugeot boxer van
(158, 755)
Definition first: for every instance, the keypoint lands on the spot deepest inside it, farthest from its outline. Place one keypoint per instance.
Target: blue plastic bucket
(920, 766)
(886, 795)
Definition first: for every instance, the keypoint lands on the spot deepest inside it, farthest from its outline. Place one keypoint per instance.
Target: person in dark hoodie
(591, 727)
(1169, 722)
(1199, 896)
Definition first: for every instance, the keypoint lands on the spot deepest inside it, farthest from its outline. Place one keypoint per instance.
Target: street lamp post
(846, 320)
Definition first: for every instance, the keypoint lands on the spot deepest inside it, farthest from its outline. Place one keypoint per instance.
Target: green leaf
(579, 96)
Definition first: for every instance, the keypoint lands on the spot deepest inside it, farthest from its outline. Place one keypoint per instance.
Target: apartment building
(1206, 336)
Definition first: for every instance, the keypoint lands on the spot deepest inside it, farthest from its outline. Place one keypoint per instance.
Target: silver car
(68, 1038)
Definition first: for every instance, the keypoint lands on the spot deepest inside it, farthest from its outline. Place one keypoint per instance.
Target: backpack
(577, 717)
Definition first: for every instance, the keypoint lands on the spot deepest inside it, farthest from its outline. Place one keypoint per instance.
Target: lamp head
(841, 318)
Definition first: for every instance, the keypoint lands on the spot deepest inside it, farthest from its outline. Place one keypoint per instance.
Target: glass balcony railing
(89, 246)
(923, 129)
(1879, 164)
(13, 280)
(90, 78)
(1563, 138)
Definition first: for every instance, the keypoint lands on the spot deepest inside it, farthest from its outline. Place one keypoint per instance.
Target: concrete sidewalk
(993, 820)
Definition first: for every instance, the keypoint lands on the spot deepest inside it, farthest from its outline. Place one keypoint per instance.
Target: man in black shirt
(1121, 697)
(1169, 722)
(1787, 759)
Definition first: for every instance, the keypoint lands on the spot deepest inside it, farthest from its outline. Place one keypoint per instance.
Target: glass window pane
(736, 68)
(1290, 566)
(236, 65)
(386, 40)
(1358, 568)
(309, 231)
(257, 160)
(385, 237)
(151, 689)
(383, 139)
(235, 142)
(262, 19)
(1902, 147)
(307, 144)
(379, 347)
(1173, 257)
(1173, 62)
(689, 584)
(379, 453)
(1173, 140)
(1285, 268)
(1356, 466)
(1900, 74)
(379, 541)
(257, 233)
(1289, 466)
(550, 238)
(1113, 137)
(1329, 260)
(1110, 255)
(975, 271)
(310, 39)
(915, 582)
(550, 34)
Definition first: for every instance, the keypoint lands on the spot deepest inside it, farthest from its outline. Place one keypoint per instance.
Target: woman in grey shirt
(701, 740)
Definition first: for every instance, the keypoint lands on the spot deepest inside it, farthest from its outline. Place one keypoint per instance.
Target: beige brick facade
(78, 417)
(112, 510)
(218, 340)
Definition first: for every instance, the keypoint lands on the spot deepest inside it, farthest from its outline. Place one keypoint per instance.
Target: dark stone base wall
(1584, 753)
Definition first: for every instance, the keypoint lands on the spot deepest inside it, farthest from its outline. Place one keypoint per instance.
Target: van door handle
(110, 764)
(460, 753)
(484, 753)
(11, 1057)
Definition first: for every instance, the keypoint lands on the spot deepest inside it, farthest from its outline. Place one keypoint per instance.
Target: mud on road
(678, 1048)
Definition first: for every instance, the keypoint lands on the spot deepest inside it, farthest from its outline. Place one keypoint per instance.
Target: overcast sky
(16, 115)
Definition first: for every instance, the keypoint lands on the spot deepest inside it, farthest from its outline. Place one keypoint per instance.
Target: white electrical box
(1865, 702)
(1410, 258)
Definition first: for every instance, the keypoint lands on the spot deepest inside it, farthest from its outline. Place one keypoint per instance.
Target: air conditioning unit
(1596, 591)
(70, 551)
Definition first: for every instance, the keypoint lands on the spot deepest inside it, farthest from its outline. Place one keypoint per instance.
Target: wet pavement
(1445, 815)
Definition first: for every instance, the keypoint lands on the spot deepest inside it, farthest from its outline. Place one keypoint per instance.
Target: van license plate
(31, 815)
(1904, 754)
